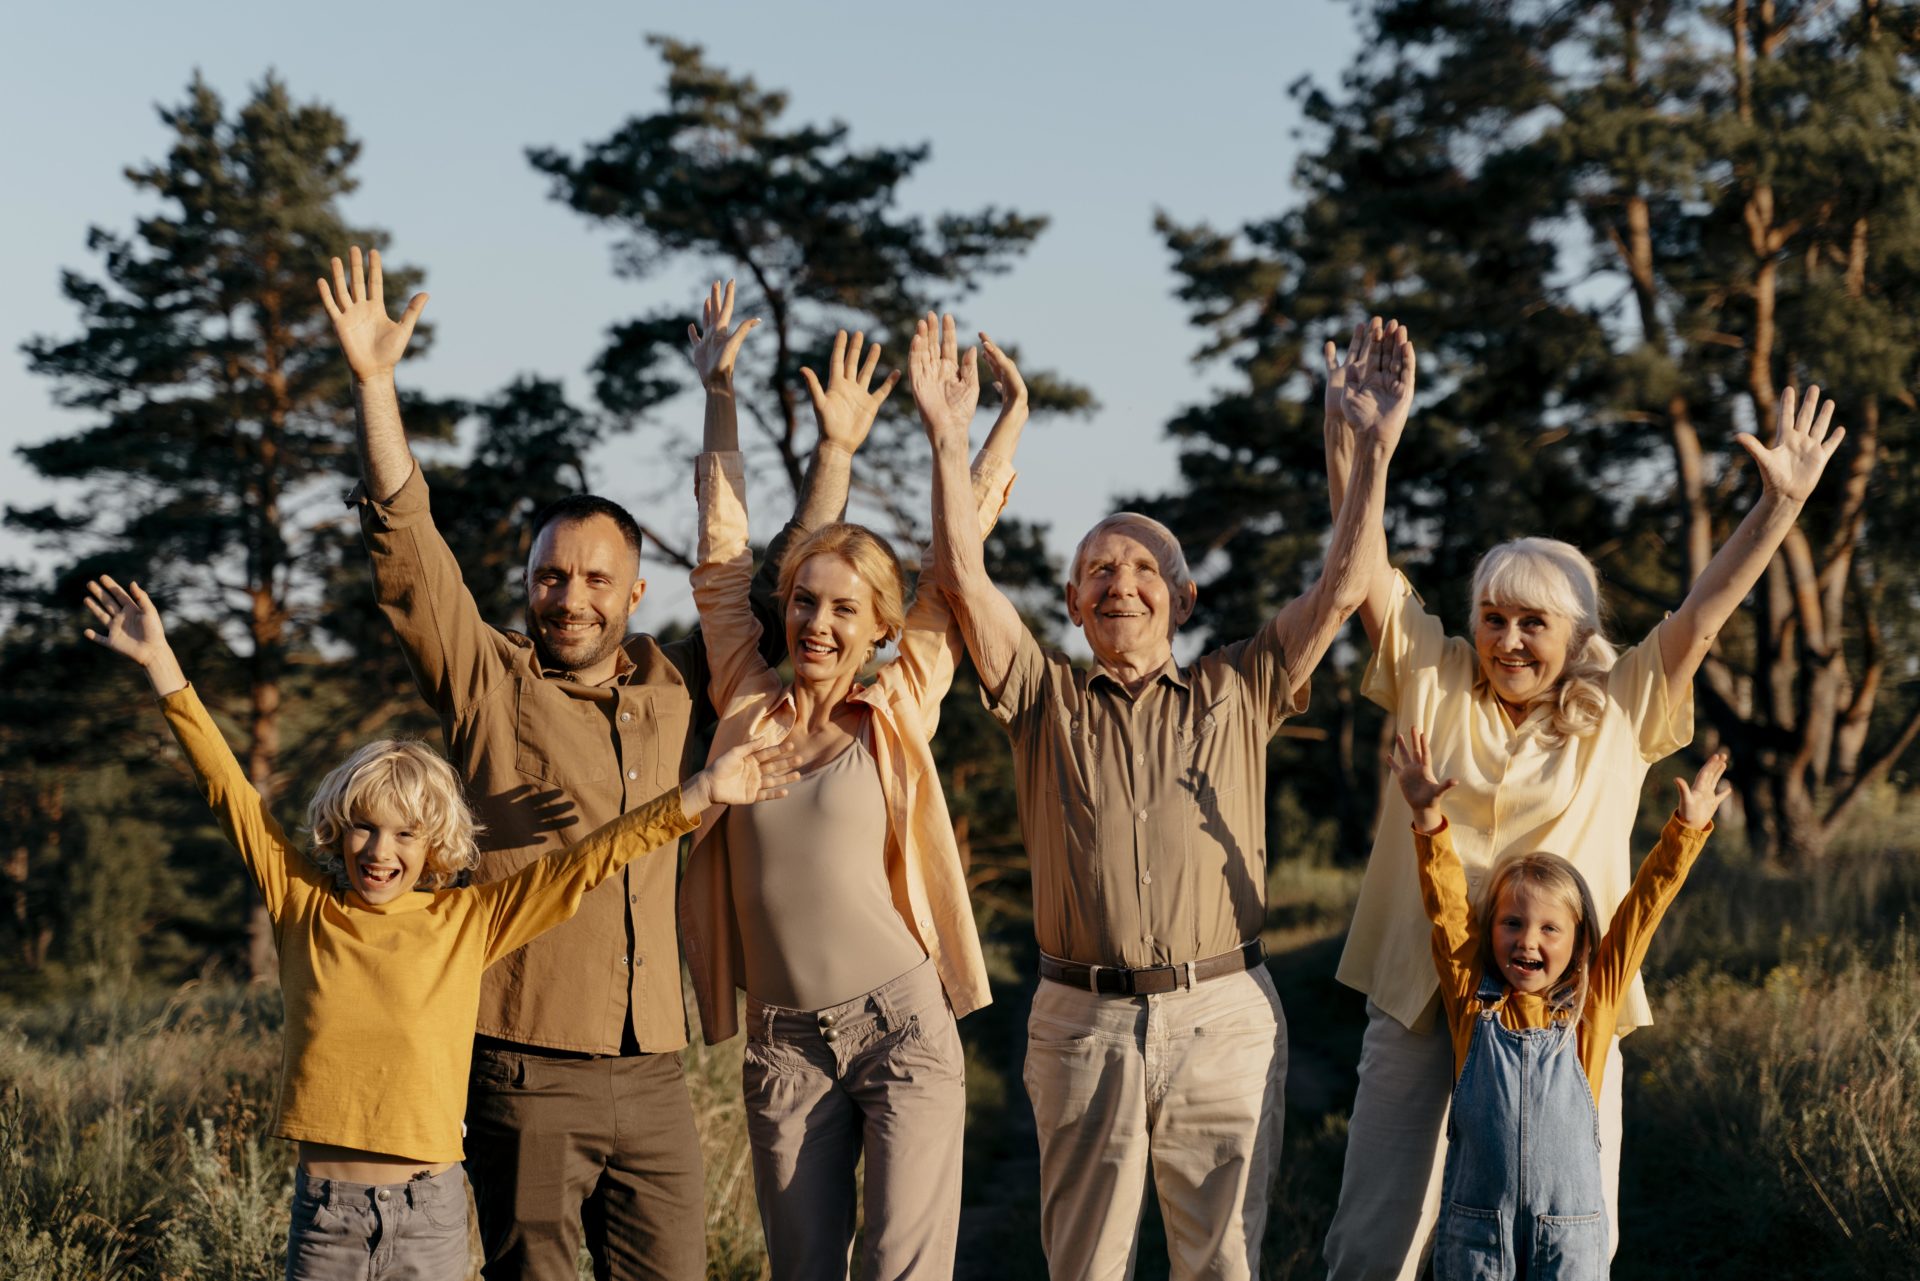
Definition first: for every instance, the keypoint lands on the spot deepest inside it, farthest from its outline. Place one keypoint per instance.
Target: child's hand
(1412, 762)
(745, 774)
(1698, 802)
(133, 629)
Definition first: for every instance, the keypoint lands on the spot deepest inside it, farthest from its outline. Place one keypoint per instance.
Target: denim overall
(1523, 1196)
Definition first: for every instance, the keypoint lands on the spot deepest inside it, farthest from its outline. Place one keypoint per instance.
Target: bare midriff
(352, 1165)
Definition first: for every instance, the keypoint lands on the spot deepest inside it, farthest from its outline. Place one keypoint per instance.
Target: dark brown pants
(560, 1146)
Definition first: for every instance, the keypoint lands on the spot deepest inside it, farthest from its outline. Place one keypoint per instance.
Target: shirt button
(1146, 878)
(1139, 758)
(626, 960)
(1149, 940)
(625, 717)
(1142, 816)
(633, 773)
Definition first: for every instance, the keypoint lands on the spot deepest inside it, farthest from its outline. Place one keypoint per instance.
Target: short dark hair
(578, 507)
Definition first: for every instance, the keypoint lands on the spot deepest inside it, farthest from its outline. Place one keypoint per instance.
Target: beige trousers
(1397, 1152)
(1190, 1081)
(883, 1074)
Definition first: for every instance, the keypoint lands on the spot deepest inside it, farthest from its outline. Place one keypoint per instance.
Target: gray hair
(1158, 539)
(1555, 578)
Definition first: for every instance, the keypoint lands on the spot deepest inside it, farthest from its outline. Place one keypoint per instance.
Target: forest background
(1615, 229)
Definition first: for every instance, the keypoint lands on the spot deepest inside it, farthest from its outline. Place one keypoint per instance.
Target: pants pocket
(1472, 1246)
(1569, 1247)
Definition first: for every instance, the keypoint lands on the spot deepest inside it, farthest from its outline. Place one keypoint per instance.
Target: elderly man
(1156, 1035)
(578, 1115)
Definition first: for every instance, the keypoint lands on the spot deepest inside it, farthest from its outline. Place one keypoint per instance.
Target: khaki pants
(558, 1148)
(884, 1074)
(1191, 1081)
(1397, 1152)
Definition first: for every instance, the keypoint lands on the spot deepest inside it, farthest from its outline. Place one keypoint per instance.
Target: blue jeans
(412, 1231)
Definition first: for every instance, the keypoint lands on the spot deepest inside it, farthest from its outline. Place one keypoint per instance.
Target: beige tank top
(817, 921)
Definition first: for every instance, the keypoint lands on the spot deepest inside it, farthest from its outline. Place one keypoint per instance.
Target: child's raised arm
(1659, 880)
(1443, 881)
(547, 891)
(133, 629)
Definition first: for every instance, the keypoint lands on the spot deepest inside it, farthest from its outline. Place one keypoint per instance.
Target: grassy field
(1770, 1113)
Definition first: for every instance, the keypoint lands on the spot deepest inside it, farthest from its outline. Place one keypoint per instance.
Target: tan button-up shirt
(547, 760)
(1145, 817)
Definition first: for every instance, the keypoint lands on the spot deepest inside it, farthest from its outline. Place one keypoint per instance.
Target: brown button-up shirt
(547, 760)
(1145, 816)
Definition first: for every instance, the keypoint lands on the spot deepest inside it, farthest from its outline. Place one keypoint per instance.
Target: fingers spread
(865, 372)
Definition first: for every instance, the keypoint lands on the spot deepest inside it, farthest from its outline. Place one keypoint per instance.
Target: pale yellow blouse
(1578, 800)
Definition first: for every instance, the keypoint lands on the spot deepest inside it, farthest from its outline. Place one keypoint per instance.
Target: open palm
(1372, 390)
(131, 619)
(714, 344)
(1802, 444)
(844, 407)
(946, 383)
(372, 341)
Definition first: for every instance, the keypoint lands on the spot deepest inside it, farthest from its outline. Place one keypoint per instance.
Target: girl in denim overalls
(1531, 991)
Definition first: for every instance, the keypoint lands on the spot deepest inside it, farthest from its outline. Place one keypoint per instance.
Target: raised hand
(1802, 444)
(844, 408)
(133, 630)
(1372, 391)
(741, 776)
(946, 383)
(1699, 800)
(372, 341)
(1412, 763)
(714, 344)
(1012, 388)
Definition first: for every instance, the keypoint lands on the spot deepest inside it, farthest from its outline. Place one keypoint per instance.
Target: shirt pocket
(559, 739)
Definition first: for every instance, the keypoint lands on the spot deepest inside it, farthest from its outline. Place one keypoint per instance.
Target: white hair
(1555, 578)
(1158, 539)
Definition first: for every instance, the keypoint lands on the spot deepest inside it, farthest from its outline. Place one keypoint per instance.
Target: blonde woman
(842, 911)
(1550, 731)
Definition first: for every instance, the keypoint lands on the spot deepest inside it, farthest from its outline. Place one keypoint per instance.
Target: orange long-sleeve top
(1458, 956)
(381, 998)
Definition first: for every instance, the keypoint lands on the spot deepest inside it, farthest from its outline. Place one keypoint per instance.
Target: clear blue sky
(1093, 114)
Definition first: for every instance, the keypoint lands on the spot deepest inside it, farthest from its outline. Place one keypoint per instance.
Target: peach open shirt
(924, 871)
(1578, 800)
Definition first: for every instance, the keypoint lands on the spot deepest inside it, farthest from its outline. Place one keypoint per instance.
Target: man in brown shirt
(578, 1110)
(1155, 1035)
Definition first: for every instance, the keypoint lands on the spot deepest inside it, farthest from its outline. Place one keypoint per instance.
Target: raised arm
(373, 344)
(1377, 396)
(134, 631)
(1360, 390)
(1789, 470)
(1443, 882)
(946, 390)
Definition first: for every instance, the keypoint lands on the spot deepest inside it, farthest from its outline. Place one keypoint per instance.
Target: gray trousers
(883, 1074)
(412, 1231)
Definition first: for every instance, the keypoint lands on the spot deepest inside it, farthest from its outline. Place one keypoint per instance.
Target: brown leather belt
(1151, 980)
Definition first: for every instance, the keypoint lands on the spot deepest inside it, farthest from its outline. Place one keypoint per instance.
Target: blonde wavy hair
(404, 777)
(1553, 577)
(872, 558)
(1559, 882)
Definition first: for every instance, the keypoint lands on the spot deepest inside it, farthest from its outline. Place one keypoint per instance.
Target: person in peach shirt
(842, 911)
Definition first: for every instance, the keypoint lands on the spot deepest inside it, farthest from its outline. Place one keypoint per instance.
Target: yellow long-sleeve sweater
(381, 999)
(1457, 953)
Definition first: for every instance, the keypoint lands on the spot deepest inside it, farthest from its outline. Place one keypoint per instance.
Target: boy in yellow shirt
(382, 983)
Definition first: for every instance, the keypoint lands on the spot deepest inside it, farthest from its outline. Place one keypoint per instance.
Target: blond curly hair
(404, 777)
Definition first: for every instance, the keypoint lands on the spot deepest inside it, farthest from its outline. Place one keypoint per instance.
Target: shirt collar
(1169, 674)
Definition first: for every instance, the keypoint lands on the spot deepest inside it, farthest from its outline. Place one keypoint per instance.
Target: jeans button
(831, 1036)
(826, 1020)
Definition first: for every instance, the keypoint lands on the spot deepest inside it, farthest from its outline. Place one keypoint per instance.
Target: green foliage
(808, 224)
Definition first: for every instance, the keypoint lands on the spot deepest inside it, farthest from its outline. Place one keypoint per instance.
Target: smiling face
(1124, 603)
(1534, 938)
(582, 585)
(384, 851)
(832, 627)
(1523, 651)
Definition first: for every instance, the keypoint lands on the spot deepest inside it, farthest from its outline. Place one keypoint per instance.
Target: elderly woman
(1550, 732)
(843, 913)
